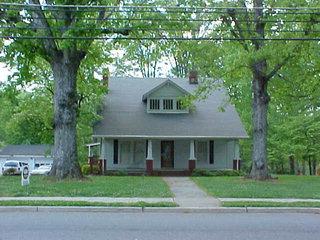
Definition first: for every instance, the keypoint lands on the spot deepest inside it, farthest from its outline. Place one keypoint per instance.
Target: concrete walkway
(188, 194)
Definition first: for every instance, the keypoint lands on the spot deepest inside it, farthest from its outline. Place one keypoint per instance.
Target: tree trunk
(304, 166)
(292, 165)
(259, 168)
(314, 166)
(65, 163)
(260, 103)
(310, 166)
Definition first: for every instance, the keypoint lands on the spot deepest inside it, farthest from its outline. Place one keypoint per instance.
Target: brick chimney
(193, 77)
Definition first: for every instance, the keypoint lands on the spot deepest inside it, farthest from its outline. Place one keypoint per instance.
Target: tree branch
(40, 20)
(277, 68)
(239, 35)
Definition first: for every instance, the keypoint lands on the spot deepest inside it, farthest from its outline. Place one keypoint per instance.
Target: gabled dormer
(166, 98)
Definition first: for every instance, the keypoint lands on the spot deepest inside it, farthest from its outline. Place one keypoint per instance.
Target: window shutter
(115, 151)
(211, 152)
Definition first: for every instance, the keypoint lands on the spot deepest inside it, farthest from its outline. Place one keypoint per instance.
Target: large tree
(54, 25)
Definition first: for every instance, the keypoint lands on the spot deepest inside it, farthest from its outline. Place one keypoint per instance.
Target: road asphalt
(156, 226)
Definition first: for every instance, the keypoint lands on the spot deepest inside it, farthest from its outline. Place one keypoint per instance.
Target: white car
(42, 170)
(12, 167)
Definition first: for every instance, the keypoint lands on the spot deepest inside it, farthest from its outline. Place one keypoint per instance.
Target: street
(147, 226)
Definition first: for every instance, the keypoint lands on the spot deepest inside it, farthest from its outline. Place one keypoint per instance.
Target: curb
(159, 209)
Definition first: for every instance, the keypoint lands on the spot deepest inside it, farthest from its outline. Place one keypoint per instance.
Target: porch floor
(156, 172)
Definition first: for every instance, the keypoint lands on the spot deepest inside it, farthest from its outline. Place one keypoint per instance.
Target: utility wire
(157, 7)
(151, 29)
(126, 10)
(169, 19)
(159, 38)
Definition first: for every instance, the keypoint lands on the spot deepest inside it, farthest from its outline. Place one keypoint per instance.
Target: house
(146, 127)
(33, 155)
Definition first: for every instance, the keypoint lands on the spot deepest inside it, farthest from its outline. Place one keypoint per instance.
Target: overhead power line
(160, 38)
(151, 29)
(126, 10)
(170, 19)
(152, 7)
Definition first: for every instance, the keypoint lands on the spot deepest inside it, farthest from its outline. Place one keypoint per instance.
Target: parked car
(12, 167)
(42, 170)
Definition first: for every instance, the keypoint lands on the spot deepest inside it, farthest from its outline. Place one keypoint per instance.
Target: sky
(4, 73)
(165, 70)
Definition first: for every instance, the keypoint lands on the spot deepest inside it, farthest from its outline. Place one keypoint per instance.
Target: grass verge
(283, 187)
(271, 204)
(92, 186)
(85, 204)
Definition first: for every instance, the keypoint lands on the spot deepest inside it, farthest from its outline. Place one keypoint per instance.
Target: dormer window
(166, 98)
(179, 105)
(167, 104)
(154, 104)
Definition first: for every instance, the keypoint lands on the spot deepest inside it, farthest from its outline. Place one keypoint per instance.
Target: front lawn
(93, 186)
(283, 187)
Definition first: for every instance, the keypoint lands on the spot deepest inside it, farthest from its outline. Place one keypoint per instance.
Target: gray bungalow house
(145, 127)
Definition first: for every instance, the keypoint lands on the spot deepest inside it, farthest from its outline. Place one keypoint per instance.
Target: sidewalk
(90, 199)
(280, 200)
(188, 194)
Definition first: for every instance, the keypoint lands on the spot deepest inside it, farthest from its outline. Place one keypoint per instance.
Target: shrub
(117, 173)
(85, 169)
(10, 171)
(214, 173)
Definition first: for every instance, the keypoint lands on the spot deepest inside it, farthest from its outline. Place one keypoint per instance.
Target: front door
(167, 154)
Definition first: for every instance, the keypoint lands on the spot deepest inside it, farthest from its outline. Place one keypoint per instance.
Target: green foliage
(215, 173)
(10, 171)
(85, 169)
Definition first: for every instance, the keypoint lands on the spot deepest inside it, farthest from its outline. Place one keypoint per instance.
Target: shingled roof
(125, 114)
(28, 150)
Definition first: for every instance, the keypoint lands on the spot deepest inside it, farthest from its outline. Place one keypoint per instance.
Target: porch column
(192, 158)
(149, 160)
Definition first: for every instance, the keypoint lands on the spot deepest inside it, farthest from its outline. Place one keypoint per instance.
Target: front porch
(167, 157)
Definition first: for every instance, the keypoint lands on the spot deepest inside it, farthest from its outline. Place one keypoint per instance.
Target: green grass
(271, 204)
(93, 186)
(283, 187)
(85, 204)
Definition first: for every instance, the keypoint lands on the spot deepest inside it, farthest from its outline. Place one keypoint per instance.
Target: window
(211, 152)
(202, 152)
(115, 151)
(154, 104)
(125, 153)
(168, 104)
(179, 105)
